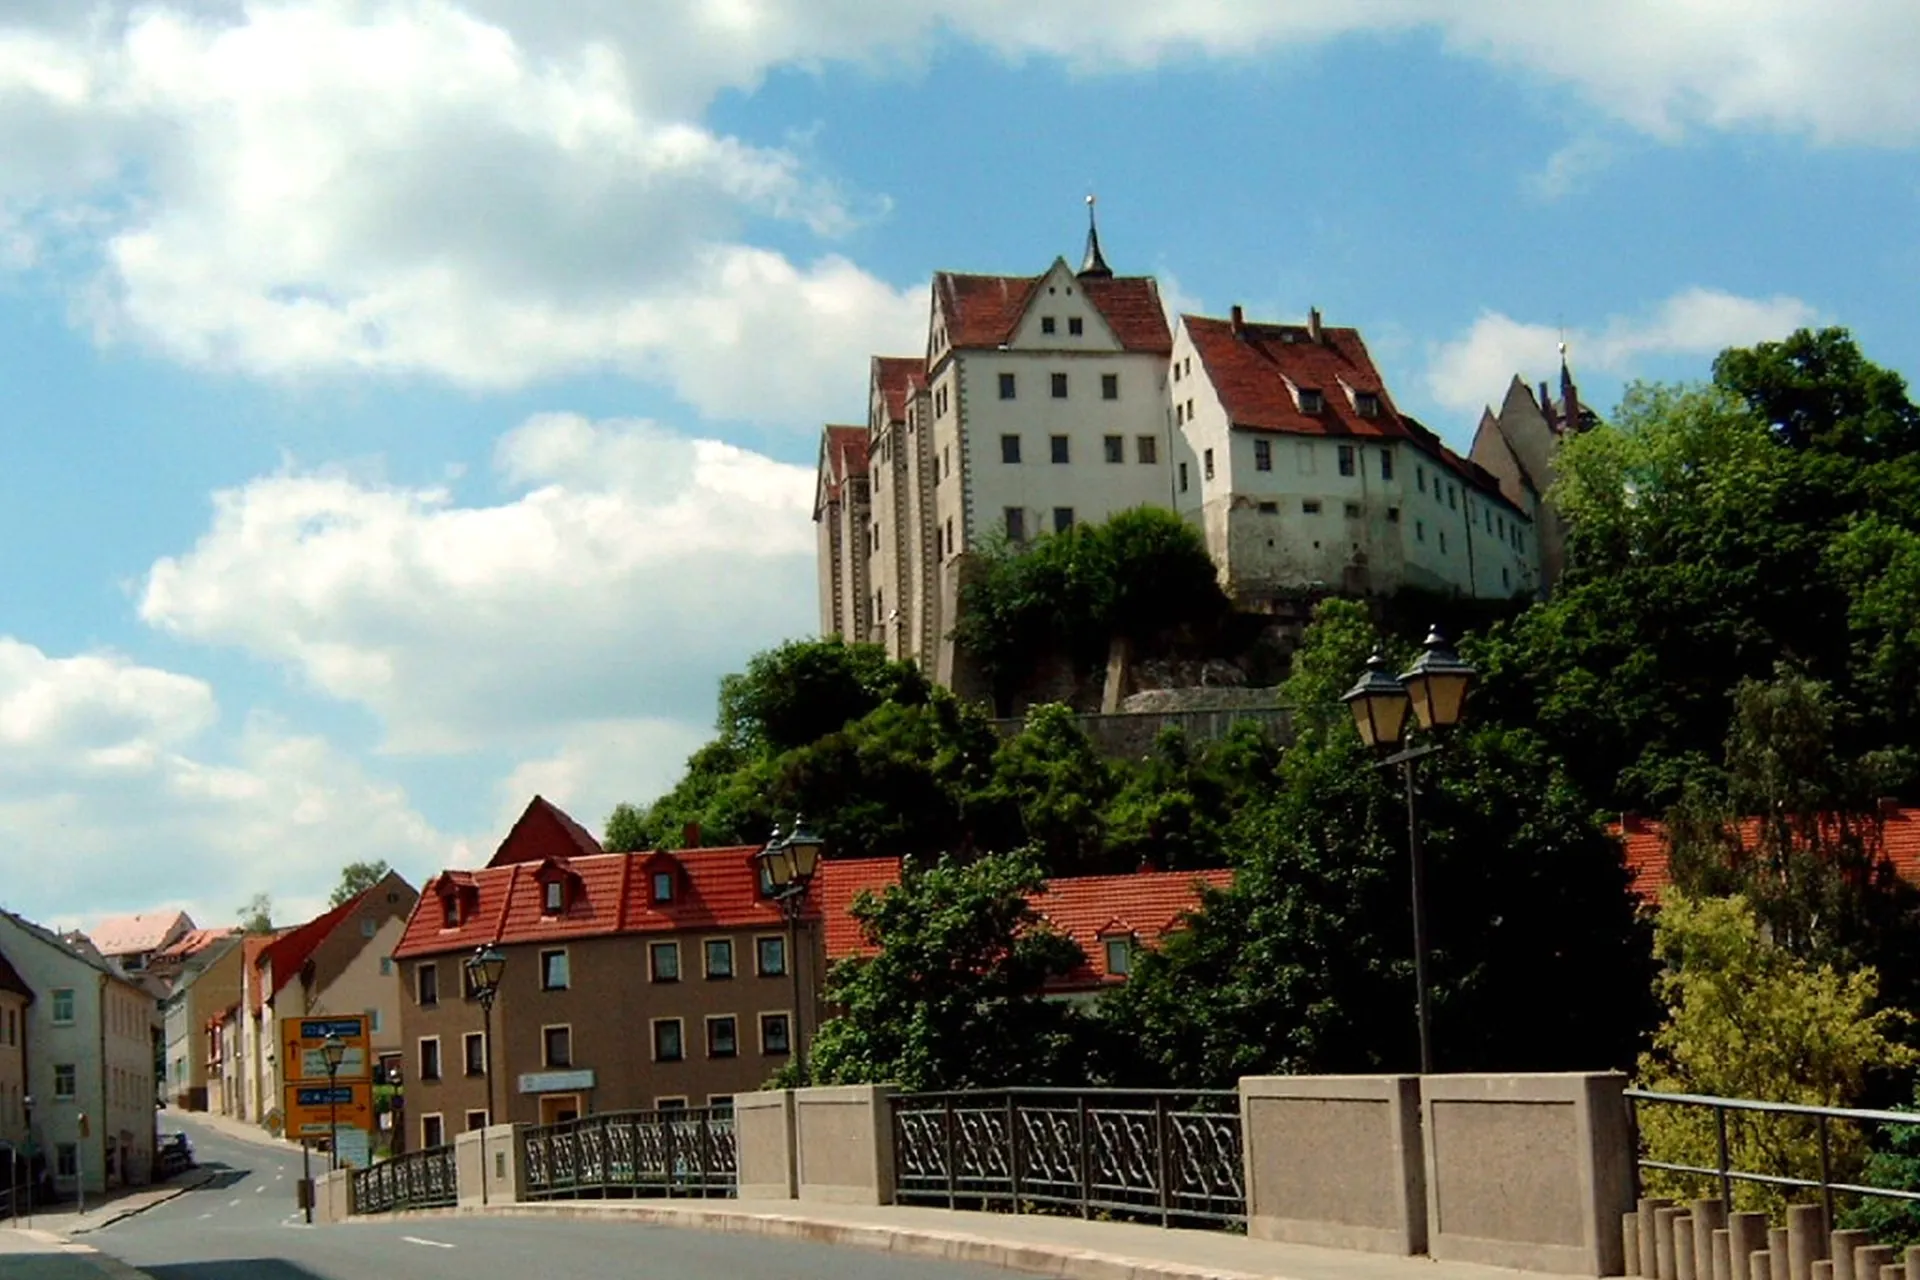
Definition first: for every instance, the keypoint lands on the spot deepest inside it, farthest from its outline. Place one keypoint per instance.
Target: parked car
(176, 1154)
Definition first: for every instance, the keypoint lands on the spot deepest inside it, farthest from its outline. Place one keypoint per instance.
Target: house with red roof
(132, 941)
(202, 971)
(1304, 474)
(339, 962)
(1889, 837)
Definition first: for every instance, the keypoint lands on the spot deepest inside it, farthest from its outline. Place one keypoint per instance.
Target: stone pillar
(503, 1174)
(843, 1143)
(1297, 1128)
(1663, 1246)
(1913, 1262)
(1630, 1241)
(333, 1196)
(1844, 1243)
(763, 1128)
(1869, 1258)
(1709, 1215)
(1649, 1249)
(1760, 1265)
(1806, 1239)
(1683, 1251)
(1528, 1171)
(1779, 1252)
(1823, 1269)
(1722, 1254)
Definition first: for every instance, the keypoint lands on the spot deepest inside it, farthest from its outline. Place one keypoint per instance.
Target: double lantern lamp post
(1435, 690)
(789, 864)
(333, 1051)
(485, 967)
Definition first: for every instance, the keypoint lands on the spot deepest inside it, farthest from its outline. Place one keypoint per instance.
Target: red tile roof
(843, 455)
(841, 881)
(252, 947)
(143, 931)
(984, 311)
(544, 830)
(290, 950)
(897, 377)
(1892, 836)
(193, 942)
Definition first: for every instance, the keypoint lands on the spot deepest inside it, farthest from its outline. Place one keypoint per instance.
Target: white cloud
(1570, 169)
(633, 568)
(599, 764)
(1474, 369)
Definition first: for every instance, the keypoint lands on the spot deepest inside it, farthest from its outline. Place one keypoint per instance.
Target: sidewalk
(43, 1255)
(65, 1220)
(1014, 1242)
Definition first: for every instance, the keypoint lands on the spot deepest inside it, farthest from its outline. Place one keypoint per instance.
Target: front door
(558, 1108)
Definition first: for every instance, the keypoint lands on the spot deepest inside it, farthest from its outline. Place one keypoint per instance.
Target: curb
(910, 1242)
(173, 1192)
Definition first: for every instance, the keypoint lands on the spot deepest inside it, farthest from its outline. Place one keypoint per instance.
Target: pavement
(46, 1255)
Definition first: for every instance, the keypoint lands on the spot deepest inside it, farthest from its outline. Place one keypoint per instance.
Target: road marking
(260, 1190)
(233, 1202)
(205, 1216)
(437, 1244)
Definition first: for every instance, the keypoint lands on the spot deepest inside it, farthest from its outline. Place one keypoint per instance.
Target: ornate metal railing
(688, 1152)
(1156, 1155)
(417, 1180)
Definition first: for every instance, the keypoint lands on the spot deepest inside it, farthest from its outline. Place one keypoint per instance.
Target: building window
(1120, 956)
(386, 966)
(450, 911)
(1183, 477)
(1353, 511)
(1176, 371)
(1367, 404)
(774, 1037)
(476, 1120)
(1116, 448)
(1007, 386)
(373, 1022)
(1419, 530)
(663, 886)
(553, 971)
(666, 1041)
(1189, 409)
(1487, 513)
(1500, 527)
(1443, 542)
(475, 1045)
(1506, 580)
(556, 897)
(66, 1160)
(1076, 326)
(556, 1046)
(1311, 506)
(770, 956)
(1109, 386)
(1059, 386)
(664, 958)
(1269, 508)
(62, 1006)
(1420, 478)
(1147, 449)
(719, 952)
(1179, 414)
(64, 1078)
(368, 927)
(1311, 401)
(723, 1040)
(1393, 515)
(1062, 519)
(1207, 463)
(1386, 464)
(1046, 324)
(1263, 455)
(430, 1057)
(1452, 494)
(426, 981)
(1010, 449)
(675, 1103)
(1060, 449)
(1016, 524)
(433, 1132)
(1346, 459)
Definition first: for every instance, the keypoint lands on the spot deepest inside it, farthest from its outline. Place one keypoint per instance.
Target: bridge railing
(689, 1151)
(1152, 1155)
(422, 1179)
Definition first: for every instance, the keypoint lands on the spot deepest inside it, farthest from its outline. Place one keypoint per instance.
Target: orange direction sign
(303, 1038)
(308, 1110)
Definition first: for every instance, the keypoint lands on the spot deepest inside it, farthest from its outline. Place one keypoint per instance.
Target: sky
(408, 406)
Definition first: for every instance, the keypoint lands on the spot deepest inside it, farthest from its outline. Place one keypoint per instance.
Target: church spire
(1094, 265)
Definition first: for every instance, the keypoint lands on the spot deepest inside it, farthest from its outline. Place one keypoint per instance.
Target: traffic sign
(313, 1108)
(304, 1039)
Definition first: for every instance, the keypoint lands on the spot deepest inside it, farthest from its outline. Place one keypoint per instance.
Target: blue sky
(410, 404)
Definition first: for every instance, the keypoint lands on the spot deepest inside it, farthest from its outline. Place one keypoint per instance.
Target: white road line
(205, 1216)
(232, 1203)
(436, 1244)
(260, 1190)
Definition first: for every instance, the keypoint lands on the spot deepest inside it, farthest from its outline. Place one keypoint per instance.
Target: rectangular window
(720, 1101)
(373, 1022)
(64, 1079)
(1420, 478)
(1147, 449)
(1346, 459)
(1443, 542)
(663, 886)
(1367, 404)
(1116, 448)
(556, 897)
(1076, 326)
(719, 953)
(1263, 455)
(1311, 401)
(1016, 518)
(723, 1039)
(62, 1006)
(773, 1033)
(66, 1160)
(476, 1120)
(664, 957)
(430, 1058)
(670, 1104)
(1207, 463)
(1269, 508)
(1007, 386)
(1059, 386)
(1189, 409)
(450, 911)
(1419, 530)
(1452, 494)
(1109, 386)
(553, 971)
(1176, 371)
(1393, 515)
(1046, 324)
(433, 1132)
(1183, 477)
(1120, 956)
(1386, 464)
(1353, 511)
(1062, 519)
(476, 1053)
(666, 1041)
(1506, 581)
(1010, 449)
(1311, 506)
(1179, 414)
(1500, 527)
(1487, 513)
(770, 956)
(386, 966)
(556, 1046)
(368, 927)
(1060, 449)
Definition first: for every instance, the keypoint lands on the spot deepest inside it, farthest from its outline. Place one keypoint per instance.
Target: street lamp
(484, 969)
(334, 1051)
(790, 864)
(1435, 689)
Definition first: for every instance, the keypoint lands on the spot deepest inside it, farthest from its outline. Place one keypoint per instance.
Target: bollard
(1749, 1232)
(1806, 1238)
(1777, 1252)
(1844, 1243)
(1709, 1215)
(1722, 1254)
(1649, 1253)
(1630, 1242)
(1663, 1242)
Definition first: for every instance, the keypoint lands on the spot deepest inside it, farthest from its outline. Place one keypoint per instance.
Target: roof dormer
(559, 886)
(459, 896)
(1117, 942)
(665, 878)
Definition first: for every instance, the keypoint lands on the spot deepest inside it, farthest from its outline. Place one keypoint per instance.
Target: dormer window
(450, 911)
(1366, 404)
(1119, 956)
(1310, 400)
(556, 897)
(663, 886)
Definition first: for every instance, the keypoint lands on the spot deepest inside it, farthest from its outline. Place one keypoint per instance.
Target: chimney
(1313, 323)
(690, 836)
(1546, 405)
(1239, 321)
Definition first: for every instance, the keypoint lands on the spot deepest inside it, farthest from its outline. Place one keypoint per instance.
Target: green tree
(1893, 1161)
(627, 830)
(952, 997)
(805, 689)
(257, 915)
(1050, 775)
(356, 878)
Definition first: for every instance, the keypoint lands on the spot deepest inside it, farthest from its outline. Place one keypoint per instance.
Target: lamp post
(334, 1051)
(790, 864)
(484, 969)
(1435, 690)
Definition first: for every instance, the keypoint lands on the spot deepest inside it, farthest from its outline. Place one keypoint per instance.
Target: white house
(90, 1055)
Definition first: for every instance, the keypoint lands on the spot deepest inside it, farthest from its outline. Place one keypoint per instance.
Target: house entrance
(558, 1108)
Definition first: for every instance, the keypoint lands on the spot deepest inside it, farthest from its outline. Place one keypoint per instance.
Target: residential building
(15, 998)
(132, 941)
(225, 1092)
(1518, 445)
(1889, 836)
(167, 964)
(843, 527)
(1294, 461)
(205, 982)
(88, 1045)
(339, 962)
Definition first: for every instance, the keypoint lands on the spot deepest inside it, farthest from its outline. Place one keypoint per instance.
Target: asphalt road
(243, 1226)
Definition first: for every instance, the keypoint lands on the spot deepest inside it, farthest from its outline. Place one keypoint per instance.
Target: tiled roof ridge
(290, 950)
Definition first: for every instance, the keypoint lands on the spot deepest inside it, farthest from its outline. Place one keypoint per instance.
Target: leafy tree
(1749, 1019)
(805, 689)
(1893, 1162)
(1817, 391)
(1050, 775)
(952, 997)
(257, 915)
(355, 879)
(627, 830)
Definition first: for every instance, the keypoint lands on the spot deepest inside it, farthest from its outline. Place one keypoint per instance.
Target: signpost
(336, 1103)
